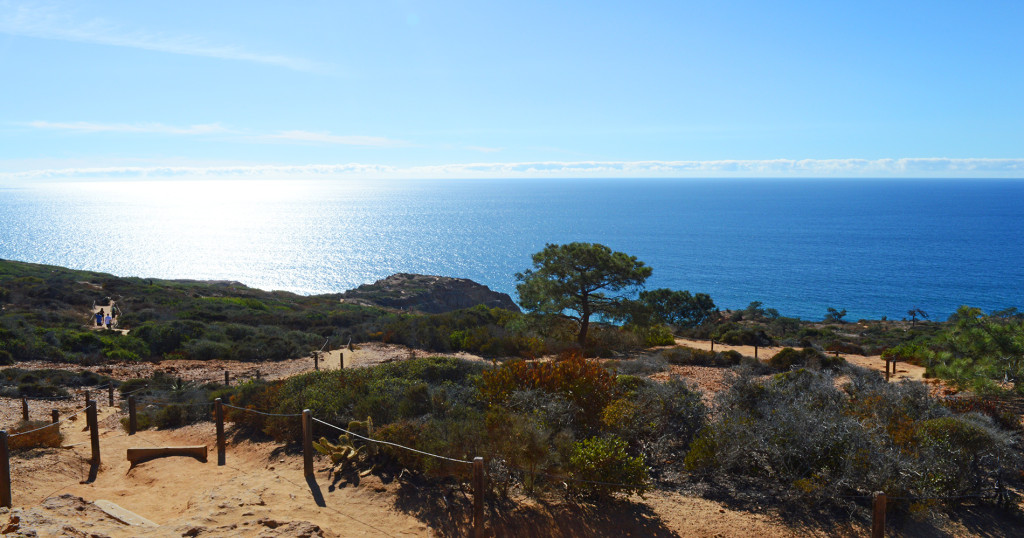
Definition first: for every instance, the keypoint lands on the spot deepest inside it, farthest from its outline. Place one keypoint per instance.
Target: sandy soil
(367, 354)
(875, 362)
(261, 491)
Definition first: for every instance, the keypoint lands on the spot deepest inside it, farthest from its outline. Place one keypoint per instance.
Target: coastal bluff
(427, 293)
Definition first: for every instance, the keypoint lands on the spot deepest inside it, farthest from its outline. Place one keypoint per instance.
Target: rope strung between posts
(945, 498)
(390, 443)
(168, 402)
(262, 413)
(571, 479)
(991, 493)
(50, 425)
(144, 387)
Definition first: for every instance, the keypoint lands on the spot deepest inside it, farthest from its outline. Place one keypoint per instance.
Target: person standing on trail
(99, 318)
(109, 320)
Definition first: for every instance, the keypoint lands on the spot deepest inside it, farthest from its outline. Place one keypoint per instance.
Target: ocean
(872, 247)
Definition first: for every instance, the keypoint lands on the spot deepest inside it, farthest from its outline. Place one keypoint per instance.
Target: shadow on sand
(448, 512)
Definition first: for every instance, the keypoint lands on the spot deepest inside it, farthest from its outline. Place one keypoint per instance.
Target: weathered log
(139, 455)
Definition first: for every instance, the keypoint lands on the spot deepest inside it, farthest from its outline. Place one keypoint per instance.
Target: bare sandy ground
(261, 491)
(875, 362)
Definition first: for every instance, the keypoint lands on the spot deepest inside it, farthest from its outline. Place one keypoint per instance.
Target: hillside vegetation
(801, 427)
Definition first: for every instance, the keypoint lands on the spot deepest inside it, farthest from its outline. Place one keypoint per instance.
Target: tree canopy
(580, 280)
(672, 307)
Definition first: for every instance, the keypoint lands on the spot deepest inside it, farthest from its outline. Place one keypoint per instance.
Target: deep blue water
(873, 247)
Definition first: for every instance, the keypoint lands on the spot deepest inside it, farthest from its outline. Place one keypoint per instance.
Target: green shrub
(600, 466)
(685, 356)
(655, 335)
(957, 449)
(142, 422)
(122, 355)
(658, 420)
(132, 385)
(204, 350)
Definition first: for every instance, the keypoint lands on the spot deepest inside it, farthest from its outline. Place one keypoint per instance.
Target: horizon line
(918, 167)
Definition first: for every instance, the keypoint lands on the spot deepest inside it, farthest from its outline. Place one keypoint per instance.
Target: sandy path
(261, 491)
(259, 483)
(105, 309)
(875, 362)
(367, 354)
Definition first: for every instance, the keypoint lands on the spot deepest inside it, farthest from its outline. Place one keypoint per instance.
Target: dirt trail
(98, 309)
(875, 362)
(261, 492)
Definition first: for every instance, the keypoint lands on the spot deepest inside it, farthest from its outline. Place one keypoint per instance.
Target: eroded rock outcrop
(426, 293)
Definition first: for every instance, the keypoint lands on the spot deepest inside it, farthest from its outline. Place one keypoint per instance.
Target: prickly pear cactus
(351, 451)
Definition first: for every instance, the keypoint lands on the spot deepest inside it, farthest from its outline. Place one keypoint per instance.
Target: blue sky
(483, 89)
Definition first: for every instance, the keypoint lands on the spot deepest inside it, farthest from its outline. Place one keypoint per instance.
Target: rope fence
(880, 500)
(50, 425)
(144, 387)
(390, 443)
(292, 415)
(170, 402)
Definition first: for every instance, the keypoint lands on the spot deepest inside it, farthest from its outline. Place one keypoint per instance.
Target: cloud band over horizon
(735, 168)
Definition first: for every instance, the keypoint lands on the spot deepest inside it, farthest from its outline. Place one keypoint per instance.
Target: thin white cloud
(482, 149)
(328, 138)
(153, 128)
(212, 129)
(50, 22)
(819, 168)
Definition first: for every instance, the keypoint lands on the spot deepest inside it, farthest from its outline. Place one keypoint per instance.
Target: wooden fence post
(478, 497)
(316, 361)
(54, 416)
(5, 471)
(755, 351)
(712, 344)
(886, 370)
(227, 382)
(24, 408)
(133, 422)
(94, 432)
(878, 516)
(341, 360)
(87, 397)
(307, 442)
(219, 408)
(110, 394)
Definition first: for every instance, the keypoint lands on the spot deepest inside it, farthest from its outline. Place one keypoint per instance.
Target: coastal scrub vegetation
(577, 427)
(801, 424)
(801, 434)
(983, 353)
(46, 311)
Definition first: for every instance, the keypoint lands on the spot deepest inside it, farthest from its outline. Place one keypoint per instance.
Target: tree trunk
(584, 321)
(582, 337)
